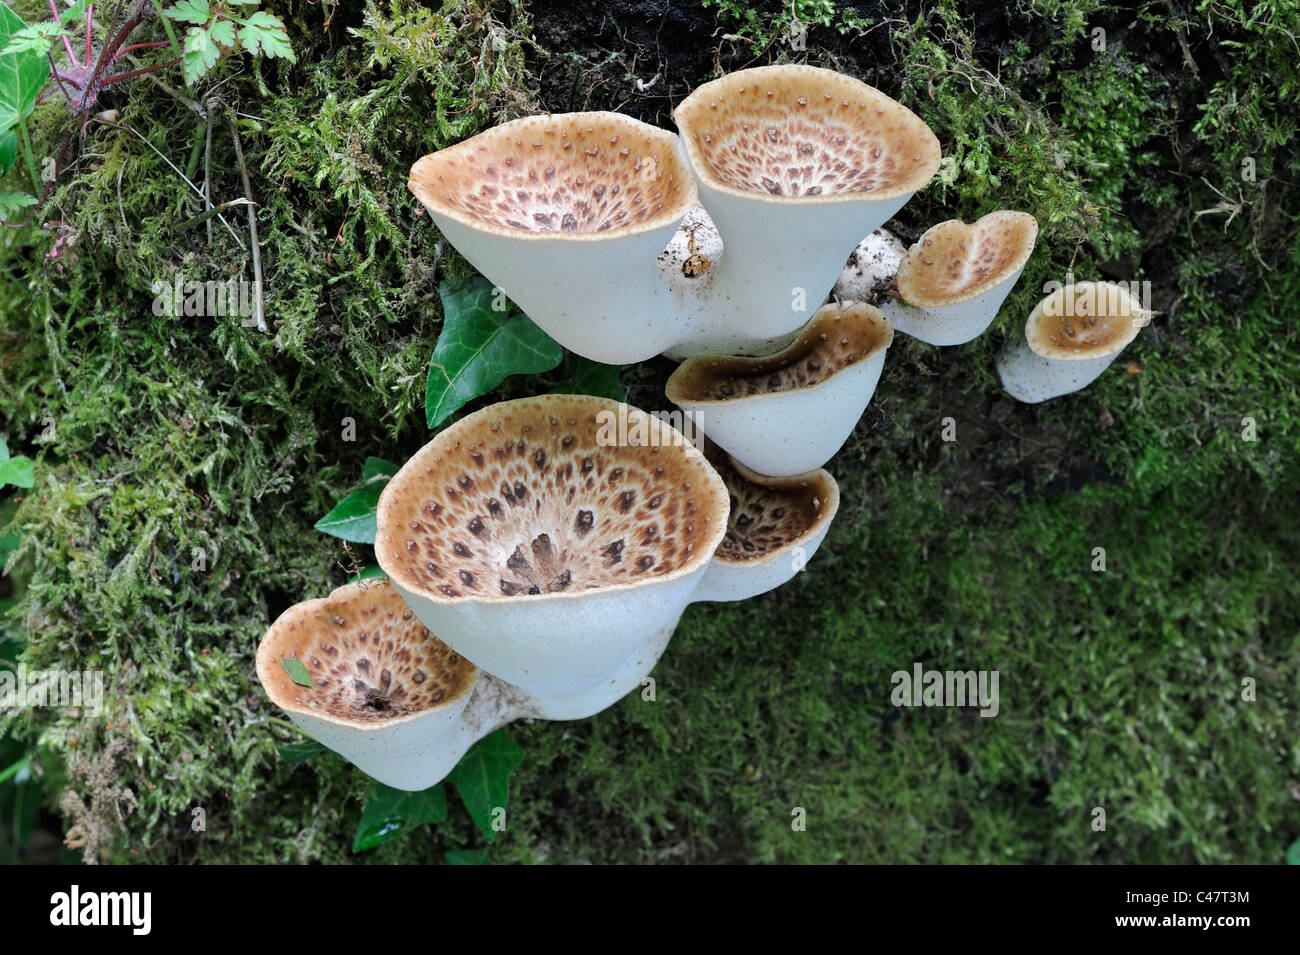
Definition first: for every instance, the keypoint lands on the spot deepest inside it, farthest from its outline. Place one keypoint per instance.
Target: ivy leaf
(482, 778)
(8, 152)
(390, 813)
(189, 11)
(200, 53)
(377, 466)
(21, 74)
(297, 671)
(467, 857)
(354, 518)
(593, 378)
(479, 348)
(11, 202)
(302, 751)
(266, 32)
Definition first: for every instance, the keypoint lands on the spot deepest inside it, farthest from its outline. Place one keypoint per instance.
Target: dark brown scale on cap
(801, 131)
(527, 176)
(773, 514)
(572, 514)
(369, 658)
(838, 337)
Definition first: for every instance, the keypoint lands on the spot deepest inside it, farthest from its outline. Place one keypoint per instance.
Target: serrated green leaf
(467, 857)
(222, 32)
(265, 32)
(200, 54)
(189, 11)
(302, 751)
(38, 38)
(374, 467)
(479, 348)
(11, 202)
(21, 74)
(297, 671)
(17, 471)
(482, 778)
(593, 378)
(390, 813)
(353, 518)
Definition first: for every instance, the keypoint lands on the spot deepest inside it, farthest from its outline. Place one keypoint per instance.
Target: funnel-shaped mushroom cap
(566, 213)
(1071, 337)
(386, 694)
(796, 164)
(798, 131)
(775, 527)
(1083, 321)
(538, 546)
(790, 412)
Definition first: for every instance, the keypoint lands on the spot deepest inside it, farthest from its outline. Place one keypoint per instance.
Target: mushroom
(567, 213)
(383, 692)
(954, 279)
(790, 412)
(1071, 337)
(775, 527)
(546, 552)
(795, 164)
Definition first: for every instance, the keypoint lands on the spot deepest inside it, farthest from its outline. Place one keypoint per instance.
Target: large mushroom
(790, 412)
(567, 213)
(795, 164)
(1071, 337)
(551, 555)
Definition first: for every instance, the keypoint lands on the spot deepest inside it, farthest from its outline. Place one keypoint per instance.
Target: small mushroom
(566, 213)
(1071, 337)
(953, 280)
(790, 412)
(383, 692)
(795, 164)
(775, 528)
(541, 542)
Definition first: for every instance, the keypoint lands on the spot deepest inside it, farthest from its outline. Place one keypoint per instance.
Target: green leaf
(482, 778)
(297, 671)
(8, 152)
(303, 751)
(200, 53)
(17, 471)
(390, 813)
(21, 74)
(353, 518)
(39, 38)
(222, 32)
(479, 348)
(467, 857)
(374, 467)
(593, 378)
(265, 32)
(370, 573)
(11, 202)
(189, 11)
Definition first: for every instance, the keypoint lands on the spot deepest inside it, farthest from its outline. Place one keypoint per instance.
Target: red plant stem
(138, 46)
(90, 11)
(65, 78)
(59, 20)
(140, 72)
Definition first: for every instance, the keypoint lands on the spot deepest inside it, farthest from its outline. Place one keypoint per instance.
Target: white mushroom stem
(1031, 378)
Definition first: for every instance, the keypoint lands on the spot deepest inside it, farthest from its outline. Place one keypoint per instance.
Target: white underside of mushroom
(1031, 378)
(950, 324)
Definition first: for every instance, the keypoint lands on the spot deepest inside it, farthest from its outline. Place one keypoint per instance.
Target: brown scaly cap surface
(800, 131)
(954, 262)
(368, 655)
(1087, 320)
(838, 337)
(773, 514)
(567, 175)
(521, 501)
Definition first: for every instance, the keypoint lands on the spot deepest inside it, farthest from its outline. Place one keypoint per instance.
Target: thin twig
(252, 228)
(207, 169)
(196, 189)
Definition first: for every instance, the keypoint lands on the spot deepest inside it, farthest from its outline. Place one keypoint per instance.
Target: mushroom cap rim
(1087, 355)
(988, 284)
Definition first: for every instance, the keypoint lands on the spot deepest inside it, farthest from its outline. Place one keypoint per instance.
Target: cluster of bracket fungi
(536, 571)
